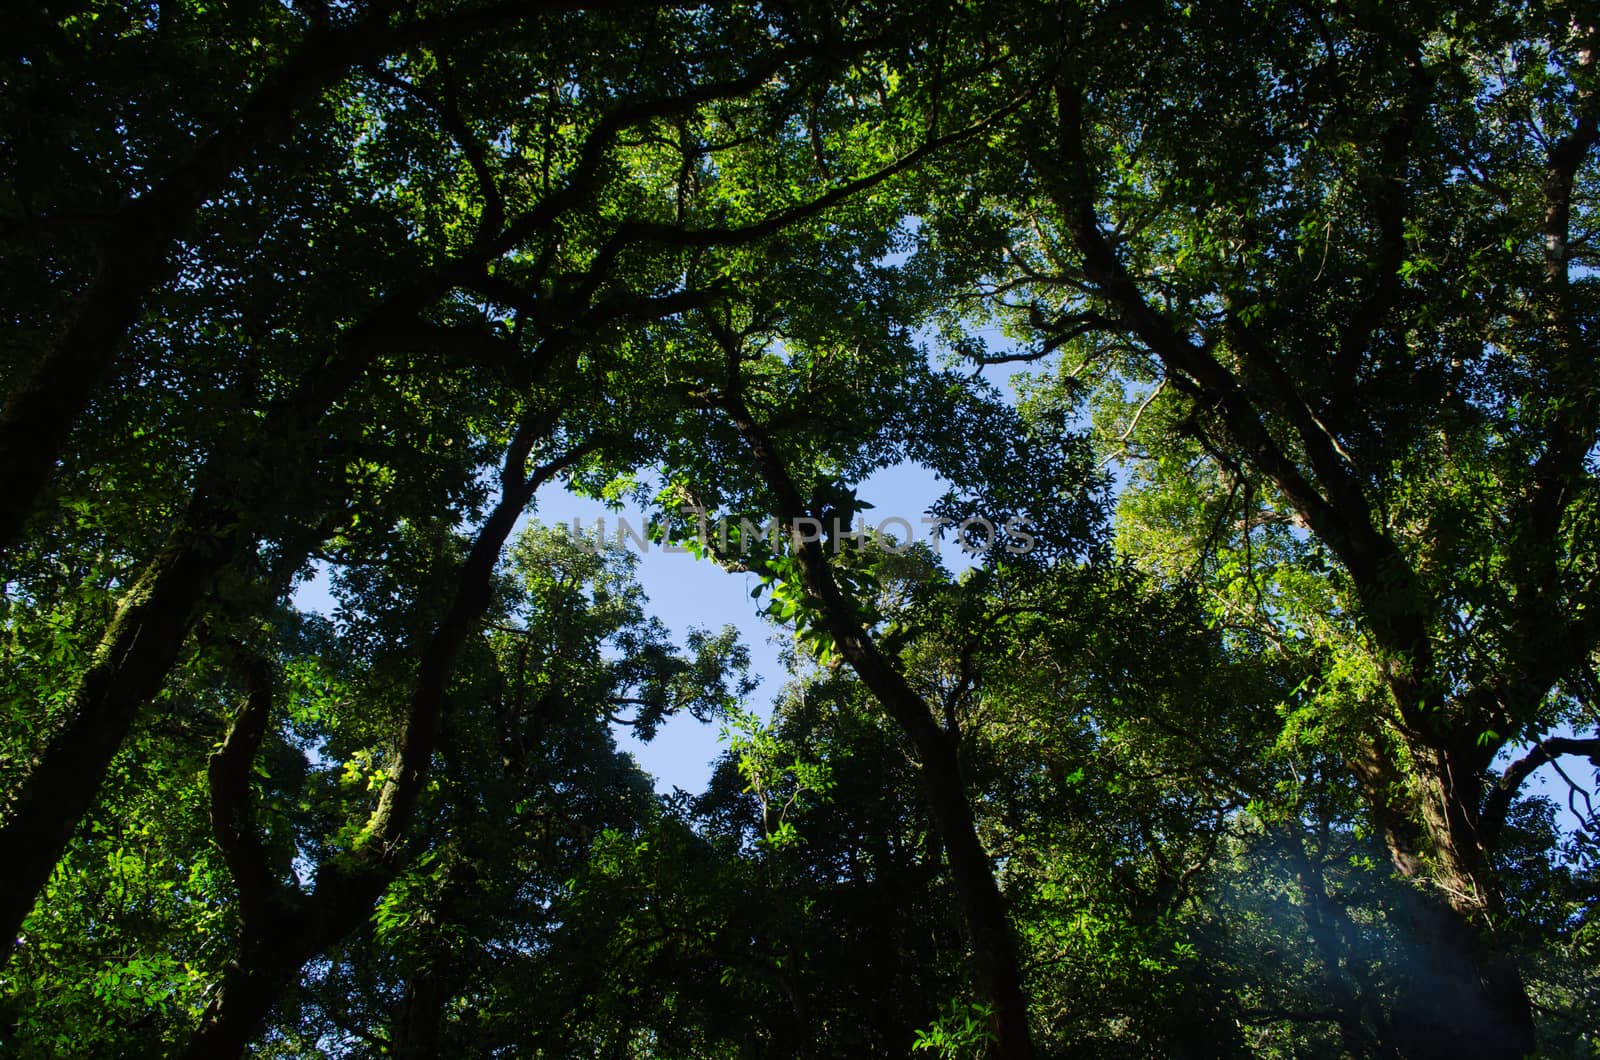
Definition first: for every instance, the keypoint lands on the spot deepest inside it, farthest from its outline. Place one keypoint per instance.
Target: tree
(1223, 744)
(1340, 255)
(538, 220)
(106, 236)
(782, 459)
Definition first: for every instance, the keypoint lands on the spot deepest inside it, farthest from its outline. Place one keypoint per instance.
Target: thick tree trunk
(128, 667)
(152, 620)
(416, 1027)
(1468, 996)
(1465, 996)
(1472, 1001)
(251, 986)
(1462, 998)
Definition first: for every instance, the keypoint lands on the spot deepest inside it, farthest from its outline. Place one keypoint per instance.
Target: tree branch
(1491, 821)
(228, 770)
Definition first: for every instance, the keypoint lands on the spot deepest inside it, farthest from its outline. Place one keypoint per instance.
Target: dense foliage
(1277, 738)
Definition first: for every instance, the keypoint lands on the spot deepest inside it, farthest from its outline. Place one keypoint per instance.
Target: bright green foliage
(959, 1032)
(309, 302)
(775, 774)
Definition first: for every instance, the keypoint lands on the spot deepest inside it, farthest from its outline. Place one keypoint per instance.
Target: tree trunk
(1472, 1002)
(251, 985)
(1462, 998)
(417, 1019)
(299, 926)
(128, 667)
(40, 412)
(983, 908)
(152, 620)
(42, 409)
(1465, 996)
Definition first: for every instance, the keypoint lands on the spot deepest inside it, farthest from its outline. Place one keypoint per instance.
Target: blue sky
(685, 593)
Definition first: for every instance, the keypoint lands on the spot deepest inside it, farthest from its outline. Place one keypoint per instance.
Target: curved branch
(348, 884)
(1498, 803)
(233, 819)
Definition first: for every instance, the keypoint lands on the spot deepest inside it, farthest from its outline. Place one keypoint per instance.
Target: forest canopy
(1278, 740)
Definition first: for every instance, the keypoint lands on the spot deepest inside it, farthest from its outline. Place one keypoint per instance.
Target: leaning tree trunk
(995, 965)
(1471, 1002)
(128, 667)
